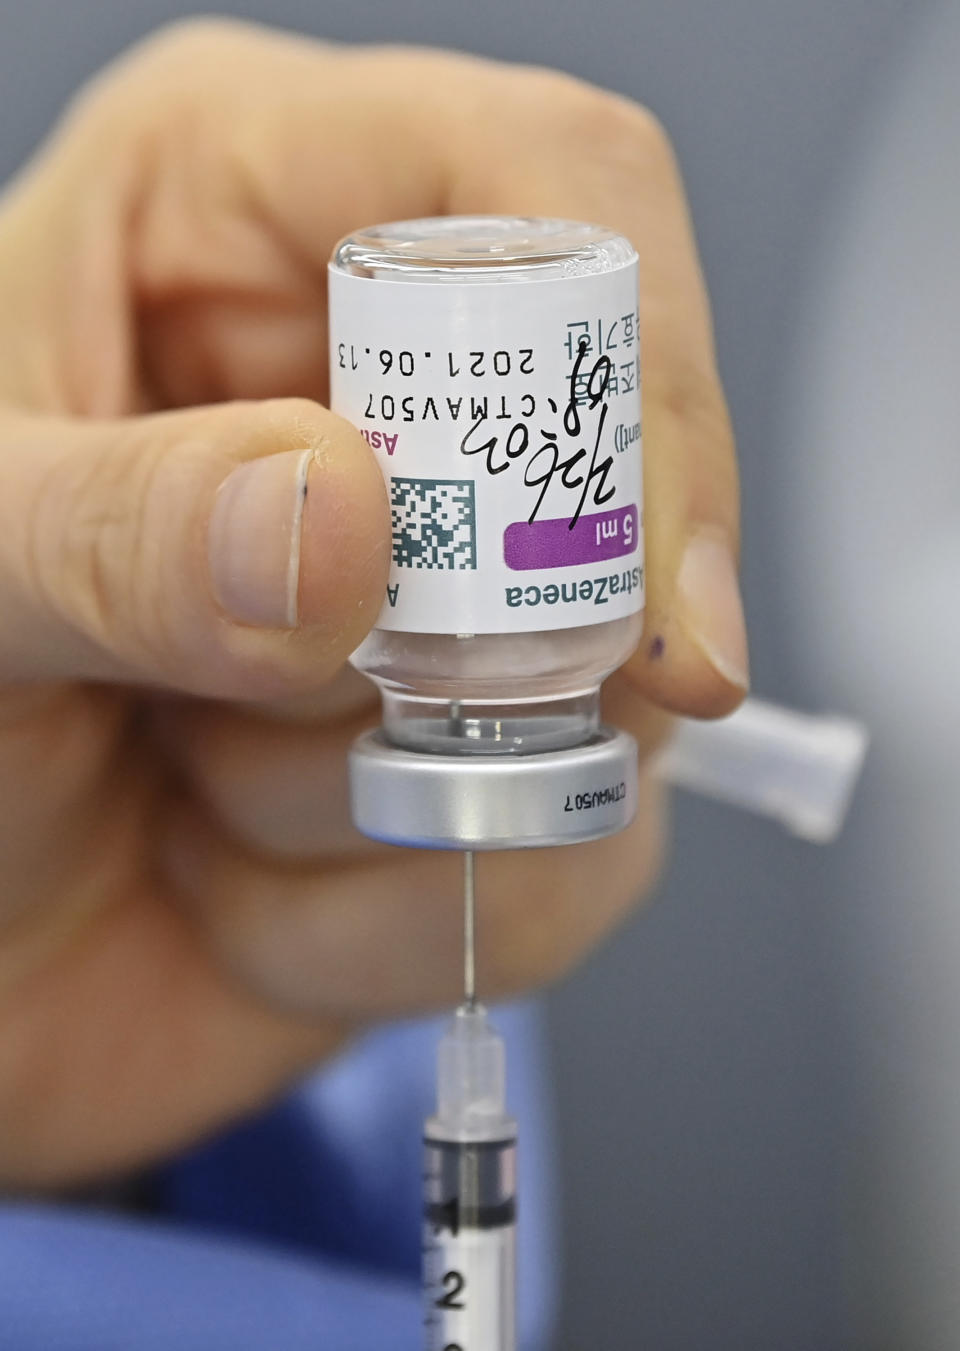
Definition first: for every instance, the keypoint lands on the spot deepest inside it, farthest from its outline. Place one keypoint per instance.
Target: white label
(506, 419)
(469, 1284)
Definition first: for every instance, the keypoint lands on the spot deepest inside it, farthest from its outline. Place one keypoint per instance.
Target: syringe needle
(469, 932)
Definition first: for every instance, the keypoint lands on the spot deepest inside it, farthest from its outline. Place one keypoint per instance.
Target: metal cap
(495, 801)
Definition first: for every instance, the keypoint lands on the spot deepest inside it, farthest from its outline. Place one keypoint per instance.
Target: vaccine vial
(492, 364)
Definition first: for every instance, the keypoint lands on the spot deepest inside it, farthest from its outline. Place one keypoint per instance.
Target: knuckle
(88, 547)
(194, 35)
(642, 127)
(294, 415)
(183, 45)
(181, 61)
(625, 140)
(605, 126)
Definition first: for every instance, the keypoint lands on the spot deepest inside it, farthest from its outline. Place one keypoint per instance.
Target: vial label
(506, 419)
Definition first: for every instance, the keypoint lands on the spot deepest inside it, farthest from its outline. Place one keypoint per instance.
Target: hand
(188, 918)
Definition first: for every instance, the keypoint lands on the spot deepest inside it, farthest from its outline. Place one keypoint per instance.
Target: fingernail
(711, 611)
(254, 539)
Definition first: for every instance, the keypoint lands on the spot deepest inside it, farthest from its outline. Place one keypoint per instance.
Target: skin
(188, 920)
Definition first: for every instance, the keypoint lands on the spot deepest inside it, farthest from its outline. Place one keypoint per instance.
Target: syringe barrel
(469, 1245)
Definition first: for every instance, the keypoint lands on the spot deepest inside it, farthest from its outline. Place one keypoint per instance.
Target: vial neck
(488, 727)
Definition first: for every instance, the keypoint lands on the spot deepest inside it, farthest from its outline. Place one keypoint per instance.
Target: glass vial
(492, 364)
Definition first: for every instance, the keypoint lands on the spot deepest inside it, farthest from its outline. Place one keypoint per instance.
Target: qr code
(434, 523)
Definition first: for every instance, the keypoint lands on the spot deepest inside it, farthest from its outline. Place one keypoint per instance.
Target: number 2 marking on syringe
(454, 1283)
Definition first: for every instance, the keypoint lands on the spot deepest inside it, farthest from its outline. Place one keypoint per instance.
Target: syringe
(469, 1219)
(796, 767)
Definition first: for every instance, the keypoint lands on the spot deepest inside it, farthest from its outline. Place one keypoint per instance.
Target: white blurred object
(800, 768)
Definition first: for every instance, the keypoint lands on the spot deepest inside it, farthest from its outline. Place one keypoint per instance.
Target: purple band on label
(552, 544)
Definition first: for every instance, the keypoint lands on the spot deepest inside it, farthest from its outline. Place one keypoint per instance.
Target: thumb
(239, 551)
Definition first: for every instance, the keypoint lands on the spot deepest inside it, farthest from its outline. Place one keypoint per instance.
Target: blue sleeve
(299, 1228)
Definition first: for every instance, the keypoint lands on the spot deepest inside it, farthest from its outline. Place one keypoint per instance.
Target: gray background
(702, 1058)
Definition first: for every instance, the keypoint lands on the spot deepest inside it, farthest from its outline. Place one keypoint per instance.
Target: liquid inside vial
(492, 364)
